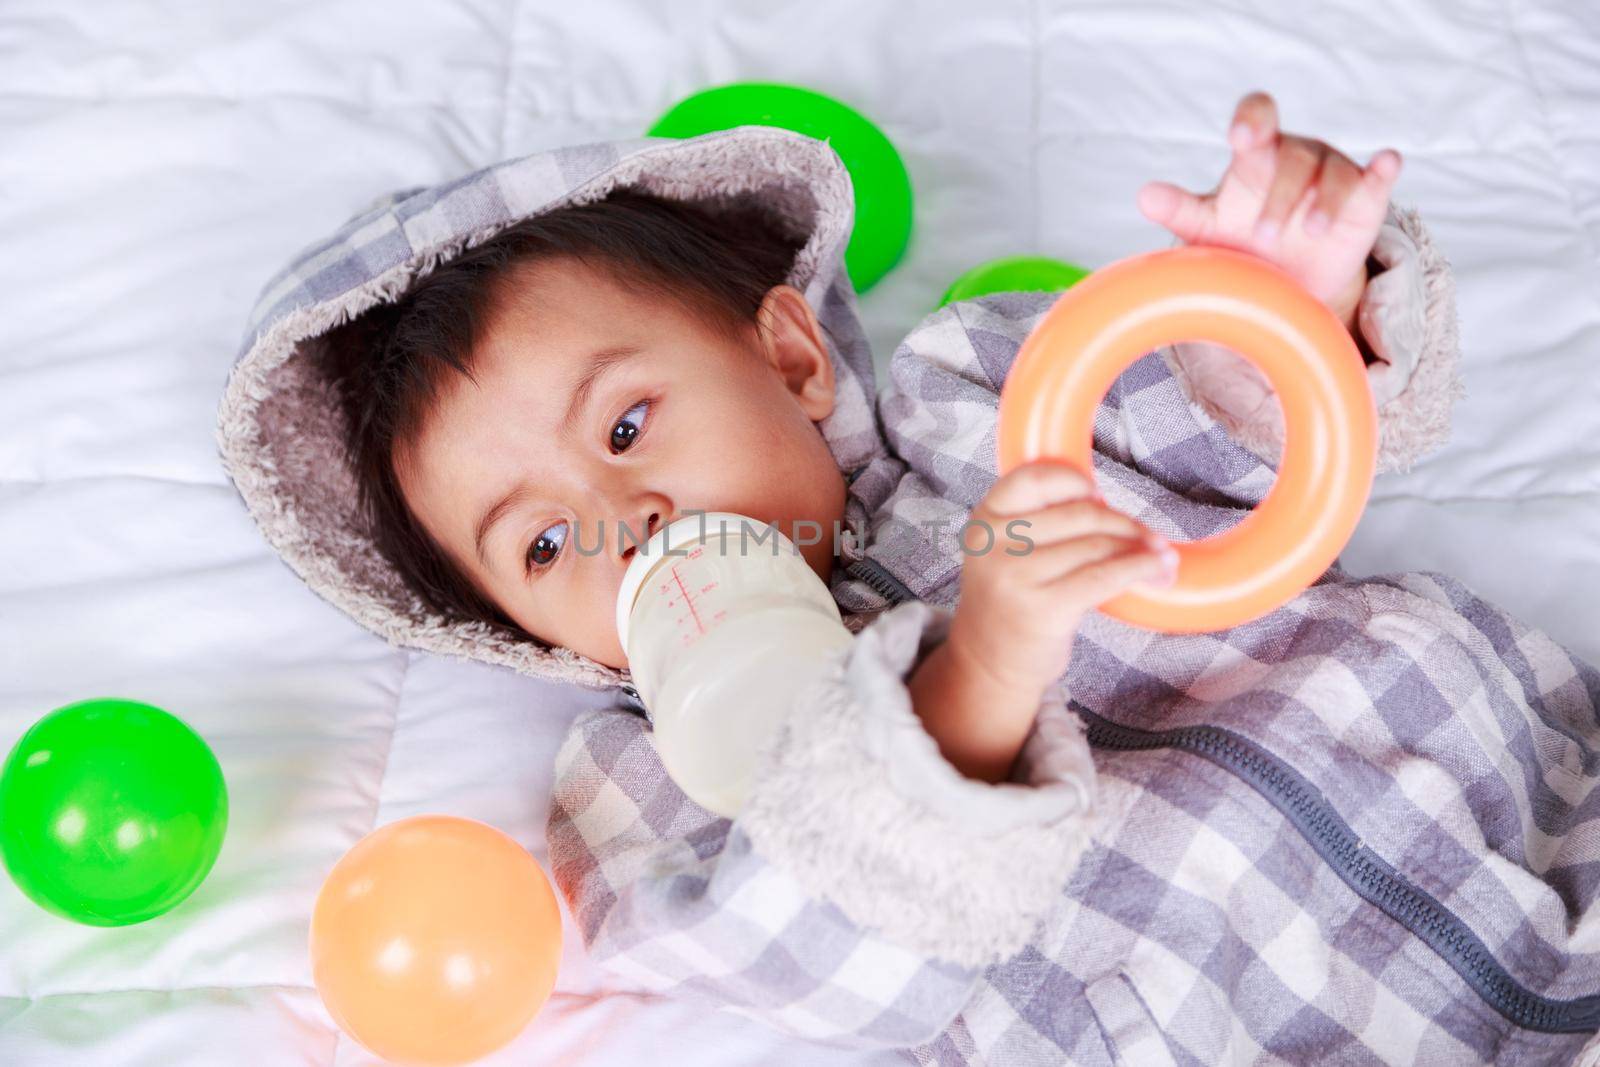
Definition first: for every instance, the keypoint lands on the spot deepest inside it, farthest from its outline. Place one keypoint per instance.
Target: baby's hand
(1292, 200)
(1020, 606)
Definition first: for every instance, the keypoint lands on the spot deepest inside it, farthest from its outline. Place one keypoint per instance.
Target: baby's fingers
(1338, 179)
(1061, 522)
(1383, 170)
(1048, 564)
(1107, 575)
(1188, 216)
(1298, 161)
(1034, 485)
(1253, 136)
(1354, 197)
(1255, 121)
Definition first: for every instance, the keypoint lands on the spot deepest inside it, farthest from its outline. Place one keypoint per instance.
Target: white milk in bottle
(722, 620)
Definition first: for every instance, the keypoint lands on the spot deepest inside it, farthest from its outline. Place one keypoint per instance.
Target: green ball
(1034, 274)
(111, 811)
(882, 187)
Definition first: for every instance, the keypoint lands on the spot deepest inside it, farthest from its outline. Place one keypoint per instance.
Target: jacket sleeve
(865, 884)
(1407, 317)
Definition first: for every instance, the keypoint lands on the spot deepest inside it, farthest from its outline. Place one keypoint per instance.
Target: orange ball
(435, 940)
(1231, 298)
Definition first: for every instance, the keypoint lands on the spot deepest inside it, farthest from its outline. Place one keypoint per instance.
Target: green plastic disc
(1015, 274)
(883, 196)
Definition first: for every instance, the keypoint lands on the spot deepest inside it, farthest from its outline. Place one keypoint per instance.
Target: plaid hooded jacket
(1357, 830)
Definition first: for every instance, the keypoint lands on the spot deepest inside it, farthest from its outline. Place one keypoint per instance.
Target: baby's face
(688, 420)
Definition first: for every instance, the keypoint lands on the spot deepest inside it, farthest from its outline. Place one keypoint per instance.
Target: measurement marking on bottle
(688, 598)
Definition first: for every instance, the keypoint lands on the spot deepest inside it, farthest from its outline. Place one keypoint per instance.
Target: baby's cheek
(599, 639)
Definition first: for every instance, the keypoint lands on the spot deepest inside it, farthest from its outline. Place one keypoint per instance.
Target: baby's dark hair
(389, 363)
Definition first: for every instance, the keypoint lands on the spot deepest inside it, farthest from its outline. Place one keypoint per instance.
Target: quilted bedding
(155, 166)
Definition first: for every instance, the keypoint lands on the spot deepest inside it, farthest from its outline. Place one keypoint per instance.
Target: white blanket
(155, 168)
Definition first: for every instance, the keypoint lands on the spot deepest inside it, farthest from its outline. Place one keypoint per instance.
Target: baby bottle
(722, 620)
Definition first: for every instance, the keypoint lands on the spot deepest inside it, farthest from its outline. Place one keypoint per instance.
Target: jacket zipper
(1371, 878)
(882, 582)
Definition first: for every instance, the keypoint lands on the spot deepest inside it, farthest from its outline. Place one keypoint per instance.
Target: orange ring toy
(1231, 298)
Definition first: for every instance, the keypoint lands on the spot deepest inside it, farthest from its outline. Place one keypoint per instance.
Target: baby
(1358, 829)
(530, 395)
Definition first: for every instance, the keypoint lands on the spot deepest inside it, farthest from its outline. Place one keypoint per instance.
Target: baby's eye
(624, 433)
(545, 547)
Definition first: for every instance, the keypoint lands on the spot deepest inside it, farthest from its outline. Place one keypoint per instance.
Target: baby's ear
(792, 342)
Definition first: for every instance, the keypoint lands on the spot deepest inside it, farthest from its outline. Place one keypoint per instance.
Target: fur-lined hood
(280, 424)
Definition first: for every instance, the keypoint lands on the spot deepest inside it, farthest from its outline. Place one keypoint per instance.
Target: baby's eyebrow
(501, 509)
(598, 364)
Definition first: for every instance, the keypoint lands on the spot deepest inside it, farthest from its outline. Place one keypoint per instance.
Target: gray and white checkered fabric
(1456, 744)
(398, 225)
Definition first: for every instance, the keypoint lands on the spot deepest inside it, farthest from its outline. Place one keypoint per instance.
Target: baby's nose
(628, 539)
